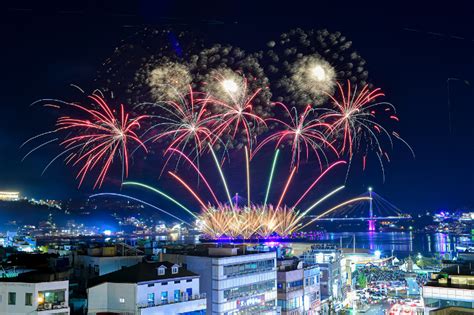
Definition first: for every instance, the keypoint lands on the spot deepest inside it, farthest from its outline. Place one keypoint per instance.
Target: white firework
(313, 77)
(168, 80)
(226, 85)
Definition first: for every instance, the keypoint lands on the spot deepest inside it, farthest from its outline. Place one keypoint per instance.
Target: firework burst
(237, 84)
(167, 80)
(94, 137)
(150, 65)
(307, 64)
(304, 133)
(185, 123)
(354, 124)
(235, 115)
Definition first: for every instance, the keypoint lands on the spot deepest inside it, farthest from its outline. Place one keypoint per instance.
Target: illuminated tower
(371, 212)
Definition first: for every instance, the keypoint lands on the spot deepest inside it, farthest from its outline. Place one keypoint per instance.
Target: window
(151, 298)
(151, 285)
(189, 292)
(161, 271)
(54, 297)
(11, 298)
(177, 295)
(189, 280)
(164, 283)
(248, 290)
(28, 299)
(251, 267)
(174, 269)
(122, 300)
(164, 296)
(177, 281)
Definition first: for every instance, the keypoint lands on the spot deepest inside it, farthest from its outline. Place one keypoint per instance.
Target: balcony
(49, 308)
(167, 302)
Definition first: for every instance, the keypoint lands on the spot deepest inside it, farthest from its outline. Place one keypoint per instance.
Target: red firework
(303, 132)
(236, 115)
(186, 123)
(352, 118)
(95, 141)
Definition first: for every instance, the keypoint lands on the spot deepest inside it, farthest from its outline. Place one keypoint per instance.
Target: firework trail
(94, 137)
(232, 220)
(142, 202)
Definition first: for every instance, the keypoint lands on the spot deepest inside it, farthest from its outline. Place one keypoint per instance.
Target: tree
(361, 280)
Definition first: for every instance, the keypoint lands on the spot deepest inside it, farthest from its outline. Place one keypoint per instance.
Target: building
(34, 293)
(452, 286)
(9, 196)
(298, 287)
(147, 288)
(453, 310)
(235, 281)
(100, 261)
(312, 290)
(328, 258)
(290, 277)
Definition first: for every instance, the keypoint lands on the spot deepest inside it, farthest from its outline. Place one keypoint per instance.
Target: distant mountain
(105, 214)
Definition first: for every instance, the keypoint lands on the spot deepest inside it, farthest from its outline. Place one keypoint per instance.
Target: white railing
(182, 299)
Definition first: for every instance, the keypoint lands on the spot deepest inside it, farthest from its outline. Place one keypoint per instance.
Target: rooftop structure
(34, 293)
(452, 286)
(100, 261)
(147, 288)
(234, 280)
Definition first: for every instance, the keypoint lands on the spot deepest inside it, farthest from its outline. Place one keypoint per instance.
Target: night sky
(411, 52)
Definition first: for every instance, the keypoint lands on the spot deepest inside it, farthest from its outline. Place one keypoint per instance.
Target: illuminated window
(164, 296)
(161, 271)
(122, 300)
(174, 270)
(55, 297)
(151, 298)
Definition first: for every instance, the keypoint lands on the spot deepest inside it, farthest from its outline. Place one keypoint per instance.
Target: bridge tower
(371, 212)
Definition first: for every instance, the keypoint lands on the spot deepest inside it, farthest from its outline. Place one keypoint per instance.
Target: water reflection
(397, 243)
(401, 244)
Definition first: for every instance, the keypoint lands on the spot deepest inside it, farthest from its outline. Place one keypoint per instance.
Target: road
(378, 309)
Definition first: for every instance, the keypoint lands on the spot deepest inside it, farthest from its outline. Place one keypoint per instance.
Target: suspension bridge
(376, 208)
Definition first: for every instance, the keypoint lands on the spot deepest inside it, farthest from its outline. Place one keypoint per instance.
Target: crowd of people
(371, 275)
